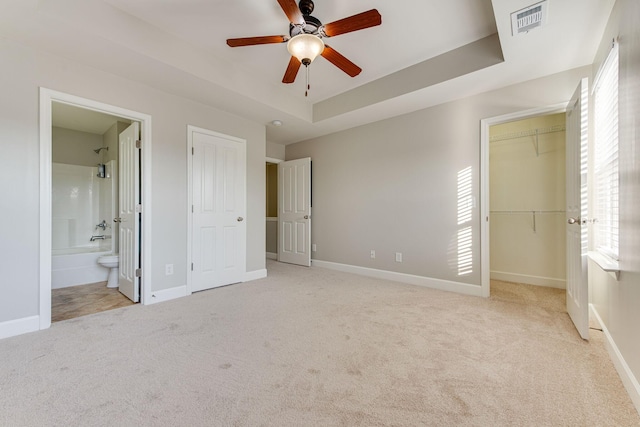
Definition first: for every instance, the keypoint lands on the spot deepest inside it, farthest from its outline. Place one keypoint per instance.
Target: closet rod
(527, 133)
(527, 212)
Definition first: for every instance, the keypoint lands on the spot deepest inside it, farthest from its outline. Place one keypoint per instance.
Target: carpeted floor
(314, 347)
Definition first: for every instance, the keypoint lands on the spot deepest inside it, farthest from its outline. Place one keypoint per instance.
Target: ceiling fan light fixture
(305, 47)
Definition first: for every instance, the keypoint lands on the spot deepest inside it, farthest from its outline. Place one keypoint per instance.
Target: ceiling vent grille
(525, 20)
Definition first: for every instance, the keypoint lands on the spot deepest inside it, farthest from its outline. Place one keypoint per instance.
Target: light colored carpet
(313, 347)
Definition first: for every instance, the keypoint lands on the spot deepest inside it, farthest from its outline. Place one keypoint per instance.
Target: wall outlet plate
(398, 256)
(168, 269)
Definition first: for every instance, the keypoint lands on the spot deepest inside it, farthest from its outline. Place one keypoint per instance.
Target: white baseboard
(443, 285)
(626, 375)
(167, 295)
(255, 275)
(271, 255)
(12, 328)
(529, 280)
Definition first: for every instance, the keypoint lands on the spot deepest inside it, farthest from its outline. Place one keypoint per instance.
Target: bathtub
(78, 266)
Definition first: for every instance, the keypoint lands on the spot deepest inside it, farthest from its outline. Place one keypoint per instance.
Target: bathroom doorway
(85, 249)
(84, 204)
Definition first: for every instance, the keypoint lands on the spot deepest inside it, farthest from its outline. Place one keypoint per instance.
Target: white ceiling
(179, 46)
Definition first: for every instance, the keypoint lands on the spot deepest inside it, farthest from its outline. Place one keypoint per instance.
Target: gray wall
(618, 302)
(392, 186)
(23, 71)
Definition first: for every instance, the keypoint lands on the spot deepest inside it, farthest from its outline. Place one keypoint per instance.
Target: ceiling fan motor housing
(312, 24)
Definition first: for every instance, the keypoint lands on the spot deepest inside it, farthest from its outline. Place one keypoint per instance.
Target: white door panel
(576, 208)
(294, 212)
(129, 198)
(218, 196)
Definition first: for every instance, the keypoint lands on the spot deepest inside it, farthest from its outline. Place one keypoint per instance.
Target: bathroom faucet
(102, 225)
(100, 237)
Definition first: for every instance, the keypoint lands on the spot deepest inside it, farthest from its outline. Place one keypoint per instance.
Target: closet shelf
(529, 133)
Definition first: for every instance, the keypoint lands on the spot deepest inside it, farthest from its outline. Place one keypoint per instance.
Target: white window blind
(606, 173)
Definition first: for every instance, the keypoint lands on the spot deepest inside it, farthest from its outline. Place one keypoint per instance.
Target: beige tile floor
(76, 301)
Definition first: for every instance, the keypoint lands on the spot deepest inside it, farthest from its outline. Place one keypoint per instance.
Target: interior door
(218, 239)
(129, 212)
(294, 212)
(576, 227)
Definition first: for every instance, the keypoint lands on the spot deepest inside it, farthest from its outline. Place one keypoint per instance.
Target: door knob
(117, 219)
(240, 219)
(306, 217)
(579, 221)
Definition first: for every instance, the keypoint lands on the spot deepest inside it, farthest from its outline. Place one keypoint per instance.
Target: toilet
(111, 262)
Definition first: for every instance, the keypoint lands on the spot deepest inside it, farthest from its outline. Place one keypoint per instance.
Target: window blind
(606, 173)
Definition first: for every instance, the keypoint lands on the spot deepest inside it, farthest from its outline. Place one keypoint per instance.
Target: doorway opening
(524, 205)
(81, 206)
(271, 208)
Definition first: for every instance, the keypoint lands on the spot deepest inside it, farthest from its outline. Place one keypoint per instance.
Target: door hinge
(192, 211)
(138, 272)
(193, 151)
(138, 144)
(191, 266)
(138, 208)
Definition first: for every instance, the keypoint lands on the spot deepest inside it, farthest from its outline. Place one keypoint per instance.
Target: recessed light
(276, 122)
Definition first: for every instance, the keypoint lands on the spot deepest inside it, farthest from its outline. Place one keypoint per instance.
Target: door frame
(485, 125)
(47, 97)
(190, 130)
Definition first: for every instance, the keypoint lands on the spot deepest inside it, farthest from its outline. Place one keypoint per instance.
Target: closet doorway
(527, 174)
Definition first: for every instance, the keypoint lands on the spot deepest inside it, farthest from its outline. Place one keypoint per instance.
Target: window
(606, 156)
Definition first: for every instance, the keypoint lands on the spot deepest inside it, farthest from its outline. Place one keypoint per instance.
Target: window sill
(607, 264)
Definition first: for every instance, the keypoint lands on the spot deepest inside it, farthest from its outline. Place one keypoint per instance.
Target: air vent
(525, 20)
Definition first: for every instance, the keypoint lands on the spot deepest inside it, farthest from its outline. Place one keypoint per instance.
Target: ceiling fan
(305, 37)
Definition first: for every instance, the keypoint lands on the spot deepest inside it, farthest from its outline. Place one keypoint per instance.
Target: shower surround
(80, 201)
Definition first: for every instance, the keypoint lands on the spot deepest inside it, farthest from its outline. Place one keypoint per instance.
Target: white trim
(529, 280)
(47, 97)
(626, 375)
(271, 255)
(190, 130)
(272, 219)
(15, 327)
(443, 285)
(255, 275)
(273, 160)
(168, 294)
(485, 124)
(605, 263)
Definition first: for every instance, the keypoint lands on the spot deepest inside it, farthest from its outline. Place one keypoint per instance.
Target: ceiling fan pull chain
(306, 92)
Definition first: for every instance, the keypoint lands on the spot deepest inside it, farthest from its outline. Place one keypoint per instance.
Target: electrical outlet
(398, 256)
(313, 247)
(168, 269)
(373, 254)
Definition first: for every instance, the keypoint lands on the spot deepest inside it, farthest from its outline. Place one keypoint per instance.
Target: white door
(129, 212)
(576, 228)
(294, 212)
(218, 234)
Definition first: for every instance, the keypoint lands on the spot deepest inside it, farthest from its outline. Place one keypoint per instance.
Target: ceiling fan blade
(250, 41)
(357, 22)
(292, 11)
(340, 61)
(292, 70)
